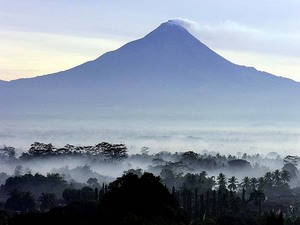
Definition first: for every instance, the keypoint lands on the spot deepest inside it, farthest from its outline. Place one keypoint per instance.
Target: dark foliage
(129, 200)
(143, 200)
(20, 201)
(273, 219)
(36, 184)
(5, 215)
(47, 201)
(138, 198)
(77, 213)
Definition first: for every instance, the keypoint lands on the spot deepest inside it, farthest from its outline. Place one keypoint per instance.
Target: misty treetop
(103, 157)
(111, 152)
(7, 151)
(7, 154)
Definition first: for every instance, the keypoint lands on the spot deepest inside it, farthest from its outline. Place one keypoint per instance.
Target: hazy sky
(44, 36)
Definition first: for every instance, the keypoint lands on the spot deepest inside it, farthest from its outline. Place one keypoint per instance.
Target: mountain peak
(174, 23)
(171, 29)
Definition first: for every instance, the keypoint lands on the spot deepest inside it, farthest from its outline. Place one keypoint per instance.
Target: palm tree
(232, 183)
(210, 183)
(221, 181)
(285, 177)
(246, 183)
(261, 184)
(253, 183)
(276, 175)
(191, 179)
(268, 181)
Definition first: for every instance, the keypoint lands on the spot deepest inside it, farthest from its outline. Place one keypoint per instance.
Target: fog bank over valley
(157, 135)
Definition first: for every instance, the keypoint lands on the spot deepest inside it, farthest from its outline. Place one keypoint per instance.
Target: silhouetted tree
(232, 183)
(276, 176)
(21, 201)
(253, 183)
(196, 204)
(285, 177)
(96, 194)
(93, 182)
(70, 194)
(113, 152)
(38, 149)
(291, 159)
(261, 184)
(245, 184)
(101, 193)
(268, 181)
(87, 194)
(47, 201)
(221, 181)
(36, 184)
(190, 155)
(138, 172)
(143, 200)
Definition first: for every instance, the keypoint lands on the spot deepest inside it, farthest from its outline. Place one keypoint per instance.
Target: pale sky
(39, 37)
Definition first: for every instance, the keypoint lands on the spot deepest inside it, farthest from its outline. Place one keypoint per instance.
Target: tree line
(109, 151)
(129, 199)
(203, 198)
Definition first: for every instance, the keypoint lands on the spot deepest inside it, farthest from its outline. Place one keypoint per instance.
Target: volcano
(166, 72)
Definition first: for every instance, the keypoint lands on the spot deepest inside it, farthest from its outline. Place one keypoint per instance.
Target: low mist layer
(158, 135)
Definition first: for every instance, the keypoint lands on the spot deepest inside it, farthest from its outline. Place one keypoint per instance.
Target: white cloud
(230, 35)
(267, 50)
(186, 23)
